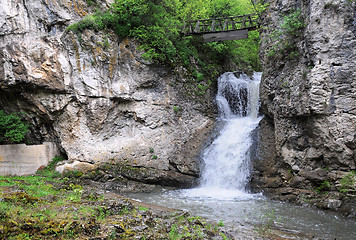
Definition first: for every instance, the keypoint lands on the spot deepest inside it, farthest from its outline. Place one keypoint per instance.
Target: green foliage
(72, 174)
(324, 186)
(224, 237)
(142, 208)
(49, 171)
(12, 128)
(282, 41)
(176, 109)
(154, 157)
(91, 3)
(348, 183)
(293, 24)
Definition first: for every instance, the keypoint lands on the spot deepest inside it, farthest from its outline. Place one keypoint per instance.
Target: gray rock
(310, 99)
(97, 101)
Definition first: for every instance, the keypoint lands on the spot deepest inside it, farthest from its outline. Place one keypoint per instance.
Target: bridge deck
(221, 29)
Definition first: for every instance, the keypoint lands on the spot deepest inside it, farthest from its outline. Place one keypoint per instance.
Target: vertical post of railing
(197, 27)
(226, 24)
(243, 23)
(233, 27)
(212, 28)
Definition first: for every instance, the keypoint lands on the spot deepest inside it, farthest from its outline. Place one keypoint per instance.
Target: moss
(79, 8)
(20, 198)
(113, 63)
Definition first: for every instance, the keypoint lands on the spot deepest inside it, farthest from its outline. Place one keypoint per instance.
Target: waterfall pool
(236, 209)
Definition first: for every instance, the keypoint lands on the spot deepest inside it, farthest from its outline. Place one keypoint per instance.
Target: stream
(222, 194)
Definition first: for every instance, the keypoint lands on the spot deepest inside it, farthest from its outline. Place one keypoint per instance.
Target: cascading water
(227, 159)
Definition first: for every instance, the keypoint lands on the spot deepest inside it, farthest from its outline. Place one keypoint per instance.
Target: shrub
(12, 129)
(283, 39)
(324, 186)
(348, 183)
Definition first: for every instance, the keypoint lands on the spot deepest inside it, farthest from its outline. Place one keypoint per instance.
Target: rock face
(94, 95)
(308, 140)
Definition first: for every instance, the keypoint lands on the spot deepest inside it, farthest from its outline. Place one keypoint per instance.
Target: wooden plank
(224, 36)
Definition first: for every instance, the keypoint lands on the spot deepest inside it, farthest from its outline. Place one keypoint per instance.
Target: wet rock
(274, 182)
(315, 176)
(297, 182)
(334, 204)
(348, 207)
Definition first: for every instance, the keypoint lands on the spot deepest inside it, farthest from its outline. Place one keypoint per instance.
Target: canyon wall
(94, 95)
(307, 150)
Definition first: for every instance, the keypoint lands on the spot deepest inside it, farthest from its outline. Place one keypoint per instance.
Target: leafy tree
(12, 129)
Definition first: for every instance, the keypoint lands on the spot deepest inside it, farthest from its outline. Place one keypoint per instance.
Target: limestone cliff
(94, 95)
(308, 135)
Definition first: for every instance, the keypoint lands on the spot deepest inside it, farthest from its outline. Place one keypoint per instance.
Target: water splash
(227, 159)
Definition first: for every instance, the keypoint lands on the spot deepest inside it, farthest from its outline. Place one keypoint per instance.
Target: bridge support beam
(223, 36)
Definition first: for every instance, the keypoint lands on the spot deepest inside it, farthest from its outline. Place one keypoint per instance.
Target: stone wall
(308, 140)
(21, 159)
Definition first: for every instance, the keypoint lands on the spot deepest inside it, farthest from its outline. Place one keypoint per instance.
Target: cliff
(307, 150)
(95, 97)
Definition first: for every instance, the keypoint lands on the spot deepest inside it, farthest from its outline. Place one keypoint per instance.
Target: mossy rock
(3, 215)
(20, 197)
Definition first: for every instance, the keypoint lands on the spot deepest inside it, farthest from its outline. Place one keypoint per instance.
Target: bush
(12, 129)
(283, 39)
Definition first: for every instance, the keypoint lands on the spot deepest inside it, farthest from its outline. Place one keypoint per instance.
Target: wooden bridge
(222, 29)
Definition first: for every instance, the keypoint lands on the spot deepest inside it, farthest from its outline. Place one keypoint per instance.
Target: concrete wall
(20, 159)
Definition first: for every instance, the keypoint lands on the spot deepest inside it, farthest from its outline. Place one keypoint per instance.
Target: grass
(49, 206)
(267, 222)
(40, 207)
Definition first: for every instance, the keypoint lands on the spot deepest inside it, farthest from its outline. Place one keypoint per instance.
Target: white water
(227, 159)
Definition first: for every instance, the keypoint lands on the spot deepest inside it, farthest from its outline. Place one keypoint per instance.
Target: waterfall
(227, 160)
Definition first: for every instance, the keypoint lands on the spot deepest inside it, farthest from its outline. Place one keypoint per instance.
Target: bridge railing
(213, 25)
